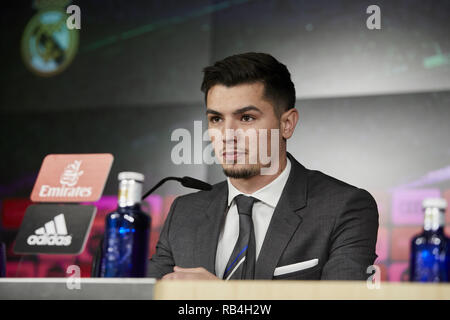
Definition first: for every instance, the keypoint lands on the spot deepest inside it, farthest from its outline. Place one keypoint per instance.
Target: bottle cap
(128, 175)
(439, 203)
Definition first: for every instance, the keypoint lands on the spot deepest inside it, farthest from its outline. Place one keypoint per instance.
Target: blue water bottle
(127, 232)
(430, 250)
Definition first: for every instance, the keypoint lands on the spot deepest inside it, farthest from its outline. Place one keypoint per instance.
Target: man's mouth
(232, 155)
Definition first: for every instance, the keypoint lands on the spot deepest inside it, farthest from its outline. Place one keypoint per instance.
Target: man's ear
(288, 122)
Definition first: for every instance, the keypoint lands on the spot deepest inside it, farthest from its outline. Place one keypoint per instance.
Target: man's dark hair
(253, 67)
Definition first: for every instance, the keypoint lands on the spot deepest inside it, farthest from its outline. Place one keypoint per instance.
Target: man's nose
(229, 131)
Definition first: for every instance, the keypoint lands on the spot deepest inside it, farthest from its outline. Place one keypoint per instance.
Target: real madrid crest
(48, 45)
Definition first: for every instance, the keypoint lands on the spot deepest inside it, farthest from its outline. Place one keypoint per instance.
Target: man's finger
(168, 276)
(179, 269)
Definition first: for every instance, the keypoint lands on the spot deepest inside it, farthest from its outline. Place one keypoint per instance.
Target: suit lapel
(208, 232)
(285, 221)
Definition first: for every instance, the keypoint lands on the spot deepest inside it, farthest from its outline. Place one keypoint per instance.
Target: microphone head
(195, 184)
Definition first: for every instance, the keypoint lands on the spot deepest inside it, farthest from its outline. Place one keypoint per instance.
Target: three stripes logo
(53, 233)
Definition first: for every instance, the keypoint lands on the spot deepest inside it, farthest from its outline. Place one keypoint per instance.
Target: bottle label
(433, 219)
(130, 192)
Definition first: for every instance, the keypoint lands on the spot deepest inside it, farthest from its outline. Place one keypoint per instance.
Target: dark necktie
(241, 264)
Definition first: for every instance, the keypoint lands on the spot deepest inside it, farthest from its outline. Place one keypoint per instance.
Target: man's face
(243, 110)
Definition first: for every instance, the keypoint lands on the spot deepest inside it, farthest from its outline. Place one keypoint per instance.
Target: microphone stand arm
(158, 185)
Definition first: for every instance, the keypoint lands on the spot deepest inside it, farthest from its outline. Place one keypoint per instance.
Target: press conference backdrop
(374, 104)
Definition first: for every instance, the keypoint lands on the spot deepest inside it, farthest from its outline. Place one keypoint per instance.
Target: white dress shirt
(261, 215)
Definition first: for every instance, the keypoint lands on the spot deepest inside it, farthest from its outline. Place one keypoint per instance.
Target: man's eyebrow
(238, 111)
(211, 111)
(245, 109)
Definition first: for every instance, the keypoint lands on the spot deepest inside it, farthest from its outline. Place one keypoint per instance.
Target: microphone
(187, 182)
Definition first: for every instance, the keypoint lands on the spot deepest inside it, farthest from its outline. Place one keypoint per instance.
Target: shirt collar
(269, 194)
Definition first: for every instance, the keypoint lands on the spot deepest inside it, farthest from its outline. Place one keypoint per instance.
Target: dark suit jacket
(317, 217)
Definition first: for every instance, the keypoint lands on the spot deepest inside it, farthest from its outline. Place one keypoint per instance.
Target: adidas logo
(53, 233)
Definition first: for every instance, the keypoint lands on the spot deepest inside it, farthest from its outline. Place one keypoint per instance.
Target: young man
(272, 218)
